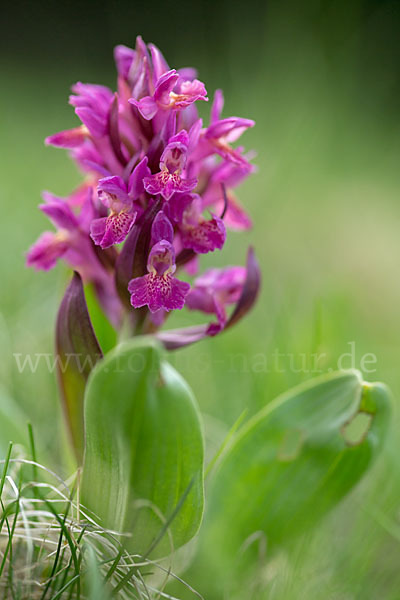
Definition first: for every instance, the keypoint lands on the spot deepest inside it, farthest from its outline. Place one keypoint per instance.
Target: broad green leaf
(77, 352)
(294, 461)
(144, 448)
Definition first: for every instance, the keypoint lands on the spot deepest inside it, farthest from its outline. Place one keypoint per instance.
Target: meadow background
(322, 81)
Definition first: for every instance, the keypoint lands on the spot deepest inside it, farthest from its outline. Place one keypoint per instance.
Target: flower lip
(159, 289)
(107, 231)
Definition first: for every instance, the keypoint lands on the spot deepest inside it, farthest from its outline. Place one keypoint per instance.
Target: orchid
(221, 133)
(158, 193)
(172, 163)
(70, 241)
(120, 199)
(216, 289)
(159, 288)
(158, 182)
(198, 233)
(164, 98)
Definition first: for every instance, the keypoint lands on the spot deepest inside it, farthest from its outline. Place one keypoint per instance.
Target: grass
(52, 548)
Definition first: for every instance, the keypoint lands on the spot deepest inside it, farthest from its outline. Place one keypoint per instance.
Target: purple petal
(184, 185)
(192, 266)
(146, 106)
(96, 124)
(180, 338)
(164, 86)
(88, 212)
(141, 79)
(177, 205)
(60, 214)
(169, 127)
(158, 292)
(123, 57)
(194, 134)
(180, 138)
(231, 174)
(138, 288)
(175, 184)
(112, 185)
(94, 96)
(187, 73)
(90, 159)
(161, 229)
(174, 155)
(201, 299)
(229, 280)
(112, 191)
(159, 288)
(107, 231)
(98, 230)
(135, 184)
(45, 252)
(161, 259)
(166, 184)
(75, 199)
(217, 106)
(113, 131)
(231, 128)
(188, 116)
(179, 291)
(160, 65)
(155, 184)
(70, 138)
(207, 236)
(216, 289)
(139, 69)
(189, 92)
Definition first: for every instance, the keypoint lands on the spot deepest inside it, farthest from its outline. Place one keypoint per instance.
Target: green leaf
(295, 461)
(144, 448)
(105, 332)
(77, 352)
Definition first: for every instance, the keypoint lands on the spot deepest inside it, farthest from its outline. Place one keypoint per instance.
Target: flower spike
(159, 192)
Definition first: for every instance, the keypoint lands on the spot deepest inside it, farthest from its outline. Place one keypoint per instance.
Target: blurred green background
(321, 79)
